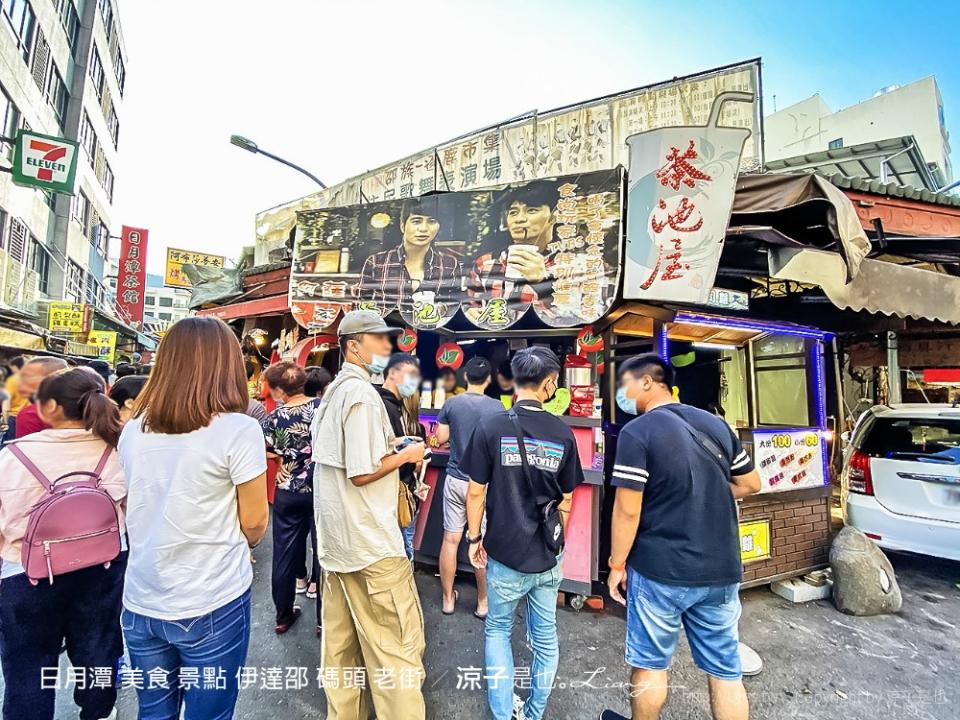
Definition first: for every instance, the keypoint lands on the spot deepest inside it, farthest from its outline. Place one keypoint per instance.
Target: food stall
(568, 232)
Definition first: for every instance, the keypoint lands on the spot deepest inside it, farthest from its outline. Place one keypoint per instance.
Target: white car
(901, 478)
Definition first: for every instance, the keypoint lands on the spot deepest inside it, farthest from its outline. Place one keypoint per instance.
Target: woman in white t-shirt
(197, 502)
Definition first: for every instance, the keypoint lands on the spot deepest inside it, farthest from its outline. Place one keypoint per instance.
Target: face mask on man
(377, 363)
(624, 403)
(408, 386)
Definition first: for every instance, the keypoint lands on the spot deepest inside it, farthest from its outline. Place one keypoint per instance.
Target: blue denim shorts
(709, 615)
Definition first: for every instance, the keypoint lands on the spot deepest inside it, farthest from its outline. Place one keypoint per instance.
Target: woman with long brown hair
(80, 608)
(196, 468)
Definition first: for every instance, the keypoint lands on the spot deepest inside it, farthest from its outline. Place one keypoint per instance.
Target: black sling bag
(551, 525)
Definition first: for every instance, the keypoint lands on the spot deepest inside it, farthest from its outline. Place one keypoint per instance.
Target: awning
(879, 287)
(273, 305)
(21, 340)
(784, 202)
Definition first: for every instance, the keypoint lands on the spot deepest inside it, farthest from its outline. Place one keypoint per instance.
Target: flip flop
(480, 617)
(456, 596)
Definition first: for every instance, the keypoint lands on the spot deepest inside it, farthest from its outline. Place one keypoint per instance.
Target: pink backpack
(73, 526)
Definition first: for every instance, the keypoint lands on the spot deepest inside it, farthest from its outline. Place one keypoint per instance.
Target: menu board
(790, 459)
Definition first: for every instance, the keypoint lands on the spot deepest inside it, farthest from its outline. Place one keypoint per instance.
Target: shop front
(768, 381)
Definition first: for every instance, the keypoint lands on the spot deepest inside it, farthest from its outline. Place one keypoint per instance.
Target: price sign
(790, 459)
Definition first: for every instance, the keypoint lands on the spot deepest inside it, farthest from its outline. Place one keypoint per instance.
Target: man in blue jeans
(518, 561)
(679, 560)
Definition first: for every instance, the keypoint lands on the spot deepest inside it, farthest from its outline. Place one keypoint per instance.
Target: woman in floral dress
(287, 433)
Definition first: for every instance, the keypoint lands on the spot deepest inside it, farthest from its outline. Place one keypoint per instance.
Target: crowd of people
(189, 465)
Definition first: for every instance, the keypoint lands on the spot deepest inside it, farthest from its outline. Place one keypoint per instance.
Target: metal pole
(295, 167)
(894, 394)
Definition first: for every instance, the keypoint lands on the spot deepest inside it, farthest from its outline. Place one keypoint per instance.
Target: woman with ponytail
(81, 608)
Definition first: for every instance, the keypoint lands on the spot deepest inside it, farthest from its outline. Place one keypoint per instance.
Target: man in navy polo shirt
(679, 560)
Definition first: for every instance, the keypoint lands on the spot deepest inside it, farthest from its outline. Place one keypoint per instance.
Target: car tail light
(859, 479)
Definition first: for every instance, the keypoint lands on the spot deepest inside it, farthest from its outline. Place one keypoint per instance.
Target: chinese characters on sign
(789, 459)
(754, 540)
(553, 245)
(65, 317)
(175, 277)
(584, 138)
(682, 182)
(106, 342)
(132, 275)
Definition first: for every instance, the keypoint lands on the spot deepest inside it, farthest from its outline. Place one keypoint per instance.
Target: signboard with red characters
(682, 182)
(132, 275)
(449, 355)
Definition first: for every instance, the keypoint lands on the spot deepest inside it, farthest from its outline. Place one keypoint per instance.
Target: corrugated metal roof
(891, 189)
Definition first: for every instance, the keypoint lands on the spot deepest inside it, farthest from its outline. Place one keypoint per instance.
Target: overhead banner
(553, 245)
(132, 275)
(682, 182)
(174, 276)
(66, 317)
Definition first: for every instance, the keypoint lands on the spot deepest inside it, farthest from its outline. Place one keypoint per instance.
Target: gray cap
(365, 321)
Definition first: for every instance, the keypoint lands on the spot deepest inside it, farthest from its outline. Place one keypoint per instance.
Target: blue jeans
(217, 640)
(709, 615)
(505, 588)
(408, 532)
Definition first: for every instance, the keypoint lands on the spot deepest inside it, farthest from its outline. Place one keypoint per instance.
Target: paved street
(819, 663)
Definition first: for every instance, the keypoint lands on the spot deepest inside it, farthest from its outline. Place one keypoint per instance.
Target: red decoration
(588, 342)
(450, 355)
(407, 341)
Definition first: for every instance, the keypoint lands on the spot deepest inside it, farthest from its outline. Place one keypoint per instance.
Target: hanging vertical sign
(682, 182)
(132, 275)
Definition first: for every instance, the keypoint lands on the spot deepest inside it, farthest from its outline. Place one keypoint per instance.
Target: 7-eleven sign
(45, 161)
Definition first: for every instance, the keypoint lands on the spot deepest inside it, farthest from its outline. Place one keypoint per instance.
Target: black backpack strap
(518, 430)
(712, 448)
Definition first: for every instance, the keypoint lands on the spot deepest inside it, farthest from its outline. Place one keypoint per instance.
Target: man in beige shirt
(371, 610)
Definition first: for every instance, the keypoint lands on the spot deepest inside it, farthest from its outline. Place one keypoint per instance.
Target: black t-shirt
(688, 531)
(492, 458)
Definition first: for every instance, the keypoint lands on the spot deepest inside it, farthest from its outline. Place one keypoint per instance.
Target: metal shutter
(18, 241)
(41, 60)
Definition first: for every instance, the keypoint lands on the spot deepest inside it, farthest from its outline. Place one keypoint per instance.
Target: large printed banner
(682, 182)
(552, 244)
(576, 139)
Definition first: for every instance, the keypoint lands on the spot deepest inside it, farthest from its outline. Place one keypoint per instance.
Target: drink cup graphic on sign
(682, 182)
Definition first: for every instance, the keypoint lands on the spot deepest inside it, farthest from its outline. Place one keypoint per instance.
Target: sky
(340, 87)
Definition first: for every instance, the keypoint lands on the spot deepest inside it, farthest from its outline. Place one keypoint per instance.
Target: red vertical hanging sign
(132, 275)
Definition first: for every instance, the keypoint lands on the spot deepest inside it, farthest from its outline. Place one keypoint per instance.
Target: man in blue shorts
(679, 560)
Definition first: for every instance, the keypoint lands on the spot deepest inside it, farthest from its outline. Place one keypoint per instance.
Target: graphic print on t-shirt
(541, 454)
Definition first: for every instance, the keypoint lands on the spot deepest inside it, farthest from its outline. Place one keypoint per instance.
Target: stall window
(733, 387)
(780, 364)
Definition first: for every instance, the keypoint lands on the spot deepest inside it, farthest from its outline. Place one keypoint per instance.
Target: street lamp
(251, 146)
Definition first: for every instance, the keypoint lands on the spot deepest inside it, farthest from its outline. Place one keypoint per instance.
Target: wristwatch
(474, 540)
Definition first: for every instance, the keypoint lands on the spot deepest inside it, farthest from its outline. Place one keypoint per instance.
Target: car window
(924, 436)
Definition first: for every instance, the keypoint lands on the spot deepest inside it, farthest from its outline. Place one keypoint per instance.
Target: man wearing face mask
(679, 560)
(401, 381)
(371, 609)
(514, 549)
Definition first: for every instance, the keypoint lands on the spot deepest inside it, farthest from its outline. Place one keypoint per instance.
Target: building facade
(162, 305)
(62, 73)
(809, 126)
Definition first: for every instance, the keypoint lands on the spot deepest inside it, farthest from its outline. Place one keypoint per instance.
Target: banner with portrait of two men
(549, 246)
